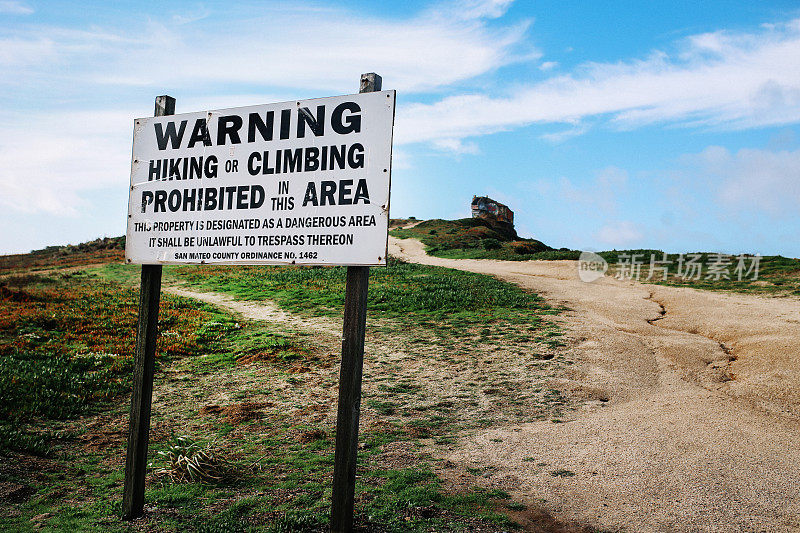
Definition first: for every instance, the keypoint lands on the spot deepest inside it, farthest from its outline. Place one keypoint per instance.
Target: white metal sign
(302, 182)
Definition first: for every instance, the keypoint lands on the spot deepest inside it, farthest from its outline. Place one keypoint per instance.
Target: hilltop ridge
(476, 238)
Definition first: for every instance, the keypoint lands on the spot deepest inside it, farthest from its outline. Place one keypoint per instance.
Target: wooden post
(144, 365)
(355, 319)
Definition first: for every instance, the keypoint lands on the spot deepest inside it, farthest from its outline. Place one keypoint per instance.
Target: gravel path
(698, 427)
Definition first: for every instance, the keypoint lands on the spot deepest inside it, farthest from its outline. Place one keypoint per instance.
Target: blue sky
(601, 124)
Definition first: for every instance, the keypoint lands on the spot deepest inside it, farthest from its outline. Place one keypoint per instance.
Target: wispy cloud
(49, 163)
(12, 7)
(619, 234)
(750, 180)
(456, 146)
(755, 191)
(563, 135)
(472, 9)
(719, 80)
(284, 48)
(21, 53)
(598, 195)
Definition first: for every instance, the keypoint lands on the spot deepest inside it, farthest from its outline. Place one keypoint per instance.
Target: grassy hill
(471, 238)
(52, 257)
(467, 239)
(260, 395)
(476, 238)
(67, 321)
(777, 275)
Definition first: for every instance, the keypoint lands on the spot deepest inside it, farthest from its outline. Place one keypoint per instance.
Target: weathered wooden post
(154, 204)
(354, 328)
(144, 365)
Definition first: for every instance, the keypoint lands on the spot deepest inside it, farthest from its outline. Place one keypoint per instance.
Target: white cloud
(401, 160)
(750, 180)
(563, 135)
(474, 9)
(717, 80)
(23, 52)
(619, 234)
(14, 8)
(598, 196)
(49, 164)
(199, 13)
(49, 160)
(297, 47)
(456, 146)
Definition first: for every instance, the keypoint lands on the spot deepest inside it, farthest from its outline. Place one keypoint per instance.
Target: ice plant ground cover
(66, 345)
(259, 396)
(449, 353)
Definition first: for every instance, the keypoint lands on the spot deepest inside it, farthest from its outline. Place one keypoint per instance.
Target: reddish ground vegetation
(105, 250)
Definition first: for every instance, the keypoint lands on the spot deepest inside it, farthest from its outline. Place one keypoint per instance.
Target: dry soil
(696, 423)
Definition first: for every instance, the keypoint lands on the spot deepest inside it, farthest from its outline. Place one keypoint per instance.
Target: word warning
(302, 182)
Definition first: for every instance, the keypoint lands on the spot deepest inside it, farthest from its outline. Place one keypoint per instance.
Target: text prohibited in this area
(301, 182)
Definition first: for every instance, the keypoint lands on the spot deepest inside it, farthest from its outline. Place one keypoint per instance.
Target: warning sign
(301, 182)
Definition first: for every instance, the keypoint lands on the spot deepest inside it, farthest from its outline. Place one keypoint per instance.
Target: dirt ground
(416, 376)
(698, 424)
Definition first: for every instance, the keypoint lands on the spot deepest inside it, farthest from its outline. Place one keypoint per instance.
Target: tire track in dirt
(692, 439)
(662, 313)
(718, 369)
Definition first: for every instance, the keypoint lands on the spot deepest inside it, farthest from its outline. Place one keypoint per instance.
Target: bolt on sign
(301, 182)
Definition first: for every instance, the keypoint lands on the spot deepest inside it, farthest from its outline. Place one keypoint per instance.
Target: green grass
(426, 305)
(67, 340)
(400, 290)
(383, 407)
(66, 343)
(777, 275)
(412, 499)
(291, 492)
(478, 239)
(507, 254)
(273, 482)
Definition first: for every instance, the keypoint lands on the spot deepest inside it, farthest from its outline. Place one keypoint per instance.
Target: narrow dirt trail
(701, 430)
(261, 310)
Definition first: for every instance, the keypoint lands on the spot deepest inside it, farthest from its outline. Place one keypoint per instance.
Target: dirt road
(693, 418)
